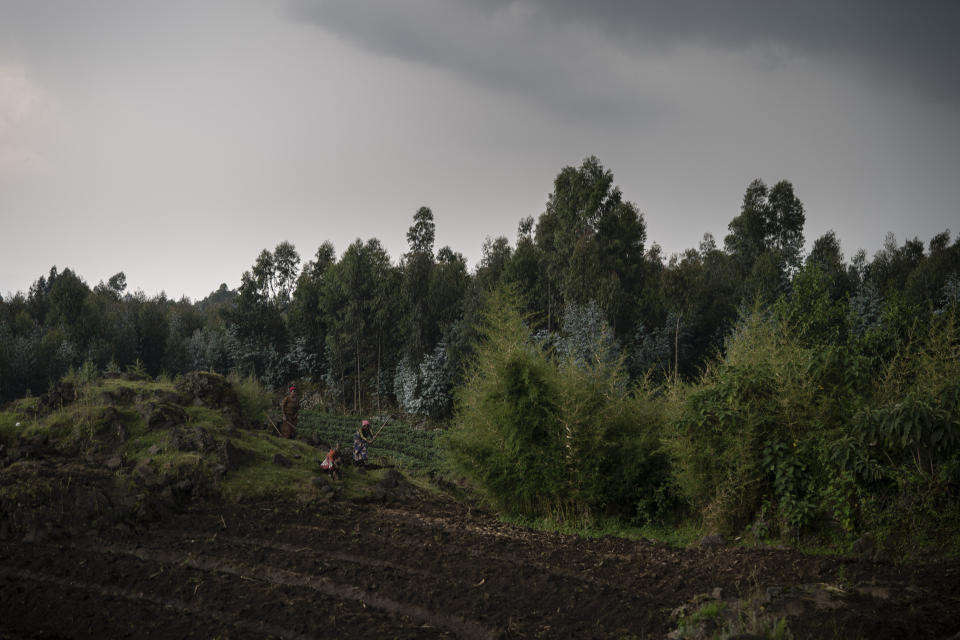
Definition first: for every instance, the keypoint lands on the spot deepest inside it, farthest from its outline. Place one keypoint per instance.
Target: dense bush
(794, 438)
(746, 436)
(539, 436)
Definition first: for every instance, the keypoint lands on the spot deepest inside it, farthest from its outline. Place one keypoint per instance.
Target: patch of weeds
(843, 581)
(703, 621)
(681, 536)
(212, 419)
(25, 407)
(709, 611)
(753, 623)
(781, 631)
(704, 617)
(136, 448)
(11, 426)
(254, 399)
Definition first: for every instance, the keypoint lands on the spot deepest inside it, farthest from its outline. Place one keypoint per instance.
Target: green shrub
(747, 433)
(800, 437)
(87, 374)
(903, 451)
(254, 399)
(539, 437)
(508, 437)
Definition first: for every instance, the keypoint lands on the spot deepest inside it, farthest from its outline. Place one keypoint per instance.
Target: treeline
(369, 331)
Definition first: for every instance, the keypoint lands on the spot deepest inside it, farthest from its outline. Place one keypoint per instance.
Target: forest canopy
(372, 329)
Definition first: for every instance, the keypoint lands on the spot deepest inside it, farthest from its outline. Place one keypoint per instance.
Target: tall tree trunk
(379, 349)
(356, 384)
(676, 350)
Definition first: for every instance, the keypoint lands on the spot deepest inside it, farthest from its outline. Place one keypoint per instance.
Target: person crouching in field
(361, 440)
(331, 464)
(290, 407)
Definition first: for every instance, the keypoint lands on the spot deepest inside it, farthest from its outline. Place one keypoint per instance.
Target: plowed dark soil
(432, 569)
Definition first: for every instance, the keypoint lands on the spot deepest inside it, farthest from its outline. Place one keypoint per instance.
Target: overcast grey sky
(173, 140)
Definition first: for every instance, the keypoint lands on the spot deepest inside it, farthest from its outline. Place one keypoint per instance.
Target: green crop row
(408, 446)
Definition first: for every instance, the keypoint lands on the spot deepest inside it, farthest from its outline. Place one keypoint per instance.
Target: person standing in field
(361, 440)
(290, 407)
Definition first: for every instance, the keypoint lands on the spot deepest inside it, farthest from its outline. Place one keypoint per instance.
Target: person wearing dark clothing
(361, 440)
(289, 407)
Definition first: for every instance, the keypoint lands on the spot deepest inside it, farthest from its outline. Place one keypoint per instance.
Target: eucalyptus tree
(356, 294)
(766, 239)
(275, 274)
(495, 256)
(308, 316)
(525, 271)
(826, 255)
(258, 320)
(924, 287)
(417, 266)
(592, 242)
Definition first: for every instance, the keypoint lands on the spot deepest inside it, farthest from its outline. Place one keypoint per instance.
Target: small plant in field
(113, 369)
(702, 621)
(137, 370)
(86, 375)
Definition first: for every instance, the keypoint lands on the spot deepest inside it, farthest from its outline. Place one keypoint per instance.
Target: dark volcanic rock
(162, 415)
(62, 394)
(118, 396)
(108, 426)
(192, 439)
(205, 389)
(233, 457)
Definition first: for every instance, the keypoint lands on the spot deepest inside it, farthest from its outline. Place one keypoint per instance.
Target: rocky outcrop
(162, 415)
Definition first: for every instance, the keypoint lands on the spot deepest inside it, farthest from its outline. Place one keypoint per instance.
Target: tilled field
(436, 569)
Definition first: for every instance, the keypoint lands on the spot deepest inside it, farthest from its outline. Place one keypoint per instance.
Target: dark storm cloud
(912, 45)
(914, 42)
(498, 44)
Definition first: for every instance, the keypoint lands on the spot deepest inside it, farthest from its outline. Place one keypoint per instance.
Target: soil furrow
(258, 628)
(299, 551)
(492, 560)
(434, 569)
(463, 628)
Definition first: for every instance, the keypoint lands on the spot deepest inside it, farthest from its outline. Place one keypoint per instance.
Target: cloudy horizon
(174, 141)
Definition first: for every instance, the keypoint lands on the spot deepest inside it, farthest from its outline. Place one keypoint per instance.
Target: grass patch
(261, 477)
(19, 416)
(10, 426)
